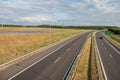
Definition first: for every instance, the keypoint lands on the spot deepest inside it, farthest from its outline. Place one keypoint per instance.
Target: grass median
(87, 66)
(16, 45)
(82, 68)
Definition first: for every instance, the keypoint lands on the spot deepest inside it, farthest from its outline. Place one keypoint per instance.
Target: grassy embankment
(82, 68)
(15, 45)
(115, 38)
(89, 68)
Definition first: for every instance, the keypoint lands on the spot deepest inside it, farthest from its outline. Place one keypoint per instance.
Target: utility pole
(50, 31)
(49, 34)
(1, 24)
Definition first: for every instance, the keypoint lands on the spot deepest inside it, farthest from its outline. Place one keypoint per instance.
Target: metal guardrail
(73, 64)
(73, 61)
(70, 66)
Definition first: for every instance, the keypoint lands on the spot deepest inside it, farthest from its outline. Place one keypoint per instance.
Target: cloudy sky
(60, 12)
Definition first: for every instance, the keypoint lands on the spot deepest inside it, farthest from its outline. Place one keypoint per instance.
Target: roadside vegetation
(114, 35)
(16, 45)
(115, 30)
(61, 26)
(89, 66)
(82, 68)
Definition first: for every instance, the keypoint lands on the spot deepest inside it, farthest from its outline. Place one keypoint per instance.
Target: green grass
(115, 38)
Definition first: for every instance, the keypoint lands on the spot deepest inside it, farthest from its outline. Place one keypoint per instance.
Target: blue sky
(60, 12)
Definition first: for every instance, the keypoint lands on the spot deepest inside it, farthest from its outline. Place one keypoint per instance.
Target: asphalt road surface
(110, 57)
(50, 64)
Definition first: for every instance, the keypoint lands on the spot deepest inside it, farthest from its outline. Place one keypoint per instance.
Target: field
(16, 45)
(116, 39)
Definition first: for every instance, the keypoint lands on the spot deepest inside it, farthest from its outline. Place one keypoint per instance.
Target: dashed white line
(68, 49)
(110, 55)
(112, 47)
(57, 60)
(40, 60)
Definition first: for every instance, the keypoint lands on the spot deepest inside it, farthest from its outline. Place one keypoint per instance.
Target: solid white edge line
(112, 46)
(100, 60)
(40, 60)
(79, 56)
(31, 53)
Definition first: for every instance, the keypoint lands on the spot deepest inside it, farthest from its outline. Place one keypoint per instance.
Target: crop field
(16, 45)
(22, 29)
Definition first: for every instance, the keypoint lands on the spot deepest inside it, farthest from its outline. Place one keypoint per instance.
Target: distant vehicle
(101, 37)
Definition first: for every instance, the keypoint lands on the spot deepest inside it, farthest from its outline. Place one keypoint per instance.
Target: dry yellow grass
(15, 45)
(12, 46)
(89, 66)
(82, 69)
(22, 28)
(93, 68)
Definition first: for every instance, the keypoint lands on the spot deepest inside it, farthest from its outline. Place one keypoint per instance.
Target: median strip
(88, 66)
(82, 68)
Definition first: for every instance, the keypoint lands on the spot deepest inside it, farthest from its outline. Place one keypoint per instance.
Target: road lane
(110, 58)
(47, 69)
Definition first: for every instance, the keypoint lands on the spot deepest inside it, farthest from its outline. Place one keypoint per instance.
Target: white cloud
(35, 19)
(106, 6)
(63, 11)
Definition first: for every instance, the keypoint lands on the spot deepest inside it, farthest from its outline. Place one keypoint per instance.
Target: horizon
(42, 25)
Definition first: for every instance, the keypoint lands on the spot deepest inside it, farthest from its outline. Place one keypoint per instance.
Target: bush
(115, 31)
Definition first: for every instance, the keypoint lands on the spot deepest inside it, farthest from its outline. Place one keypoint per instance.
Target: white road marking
(57, 60)
(100, 60)
(68, 49)
(110, 55)
(112, 47)
(40, 60)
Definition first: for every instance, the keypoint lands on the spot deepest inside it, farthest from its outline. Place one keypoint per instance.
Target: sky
(60, 12)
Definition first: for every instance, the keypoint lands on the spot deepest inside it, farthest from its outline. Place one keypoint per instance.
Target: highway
(50, 64)
(110, 58)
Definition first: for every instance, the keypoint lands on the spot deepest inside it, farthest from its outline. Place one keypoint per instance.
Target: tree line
(114, 30)
(64, 27)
